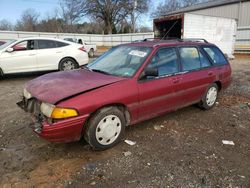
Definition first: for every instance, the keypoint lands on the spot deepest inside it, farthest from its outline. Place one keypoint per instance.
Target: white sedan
(40, 54)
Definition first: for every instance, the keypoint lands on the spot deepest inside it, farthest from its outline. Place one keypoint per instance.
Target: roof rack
(173, 38)
(157, 39)
(194, 40)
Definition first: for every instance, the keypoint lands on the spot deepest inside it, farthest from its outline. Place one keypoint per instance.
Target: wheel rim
(108, 129)
(68, 65)
(211, 96)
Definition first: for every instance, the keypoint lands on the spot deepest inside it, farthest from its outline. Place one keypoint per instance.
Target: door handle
(210, 73)
(58, 52)
(176, 80)
(32, 54)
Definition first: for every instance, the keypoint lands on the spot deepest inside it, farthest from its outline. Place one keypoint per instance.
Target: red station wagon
(128, 84)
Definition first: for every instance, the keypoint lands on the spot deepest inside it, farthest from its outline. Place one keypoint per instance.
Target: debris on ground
(158, 127)
(127, 153)
(129, 142)
(227, 142)
(244, 106)
(89, 167)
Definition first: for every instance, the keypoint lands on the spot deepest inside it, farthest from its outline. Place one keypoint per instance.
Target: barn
(233, 9)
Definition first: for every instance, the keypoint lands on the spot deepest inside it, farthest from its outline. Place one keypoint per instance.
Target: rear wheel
(105, 128)
(209, 99)
(68, 64)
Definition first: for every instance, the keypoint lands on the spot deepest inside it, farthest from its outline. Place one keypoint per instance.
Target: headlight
(54, 112)
(26, 94)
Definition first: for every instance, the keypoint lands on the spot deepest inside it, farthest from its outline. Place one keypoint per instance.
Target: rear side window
(61, 44)
(165, 60)
(192, 59)
(216, 55)
(46, 44)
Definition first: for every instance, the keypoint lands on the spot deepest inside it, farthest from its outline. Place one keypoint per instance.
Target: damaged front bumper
(66, 130)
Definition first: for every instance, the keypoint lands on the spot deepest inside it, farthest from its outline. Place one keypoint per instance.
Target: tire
(105, 128)
(91, 52)
(68, 64)
(208, 101)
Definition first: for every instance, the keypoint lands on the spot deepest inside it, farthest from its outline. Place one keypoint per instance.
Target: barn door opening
(174, 26)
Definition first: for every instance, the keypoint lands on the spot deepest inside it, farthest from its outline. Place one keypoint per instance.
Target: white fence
(99, 40)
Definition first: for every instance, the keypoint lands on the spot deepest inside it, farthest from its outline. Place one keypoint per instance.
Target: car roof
(44, 38)
(173, 42)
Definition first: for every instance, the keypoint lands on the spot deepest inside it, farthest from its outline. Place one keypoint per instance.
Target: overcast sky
(12, 9)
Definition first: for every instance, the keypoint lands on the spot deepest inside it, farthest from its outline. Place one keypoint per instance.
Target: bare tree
(109, 12)
(171, 5)
(71, 11)
(5, 25)
(28, 21)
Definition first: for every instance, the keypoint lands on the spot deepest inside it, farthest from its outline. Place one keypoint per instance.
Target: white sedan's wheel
(108, 129)
(211, 96)
(68, 65)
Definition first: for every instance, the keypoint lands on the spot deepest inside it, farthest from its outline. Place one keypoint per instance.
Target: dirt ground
(180, 149)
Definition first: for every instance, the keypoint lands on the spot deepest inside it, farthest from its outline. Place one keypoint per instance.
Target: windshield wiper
(100, 71)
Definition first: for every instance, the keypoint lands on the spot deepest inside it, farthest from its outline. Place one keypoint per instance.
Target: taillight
(82, 49)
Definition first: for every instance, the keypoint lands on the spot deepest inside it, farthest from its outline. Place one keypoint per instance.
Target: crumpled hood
(54, 87)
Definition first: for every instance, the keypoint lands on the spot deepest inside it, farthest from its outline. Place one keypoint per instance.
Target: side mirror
(151, 72)
(10, 50)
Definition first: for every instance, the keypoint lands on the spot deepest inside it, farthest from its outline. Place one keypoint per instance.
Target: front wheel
(105, 128)
(67, 64)
(209, 99)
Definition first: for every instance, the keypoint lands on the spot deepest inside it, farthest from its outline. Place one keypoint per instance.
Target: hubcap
(211, 96)
(68, 65)
(108, 129)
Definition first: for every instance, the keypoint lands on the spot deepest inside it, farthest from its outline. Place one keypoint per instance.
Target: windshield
(7, 44)
(121, 61)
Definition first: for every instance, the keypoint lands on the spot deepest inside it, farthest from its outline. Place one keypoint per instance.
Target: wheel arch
(218, 83)
(120, 106)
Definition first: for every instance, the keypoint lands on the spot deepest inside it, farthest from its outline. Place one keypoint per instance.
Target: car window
(121, 60)
(61, 44)
(216, 55)
(46, 44)
(24, 45)
(204, 61)
(190, 58)
(165, 60)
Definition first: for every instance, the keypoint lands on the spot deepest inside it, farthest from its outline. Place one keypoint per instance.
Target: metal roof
(201, 6)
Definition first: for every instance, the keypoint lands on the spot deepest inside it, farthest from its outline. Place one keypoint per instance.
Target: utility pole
(133, 15)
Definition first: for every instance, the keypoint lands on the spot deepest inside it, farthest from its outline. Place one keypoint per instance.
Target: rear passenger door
(197, 74)
(48, 55)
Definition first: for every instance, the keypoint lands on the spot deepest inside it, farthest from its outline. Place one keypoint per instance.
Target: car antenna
(168, 30)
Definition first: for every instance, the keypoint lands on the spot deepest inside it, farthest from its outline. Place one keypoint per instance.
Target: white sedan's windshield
(7, 44)
(121, 61)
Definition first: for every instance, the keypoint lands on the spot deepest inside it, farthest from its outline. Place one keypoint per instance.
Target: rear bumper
(67, 130)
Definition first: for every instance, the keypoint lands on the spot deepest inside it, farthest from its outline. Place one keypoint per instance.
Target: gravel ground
(180, 149)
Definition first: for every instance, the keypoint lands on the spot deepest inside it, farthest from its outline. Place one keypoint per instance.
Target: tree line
(96, 16)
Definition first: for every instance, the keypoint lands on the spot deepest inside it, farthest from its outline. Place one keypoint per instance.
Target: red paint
(53, 87)
(143, 99)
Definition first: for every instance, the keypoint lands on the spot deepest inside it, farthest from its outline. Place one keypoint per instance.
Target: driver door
(22, 59)
(157, 95)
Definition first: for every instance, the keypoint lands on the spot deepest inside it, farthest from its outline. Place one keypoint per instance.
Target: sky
(11, 10)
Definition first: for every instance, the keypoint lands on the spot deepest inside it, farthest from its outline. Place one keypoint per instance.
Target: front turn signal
(62, 113)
